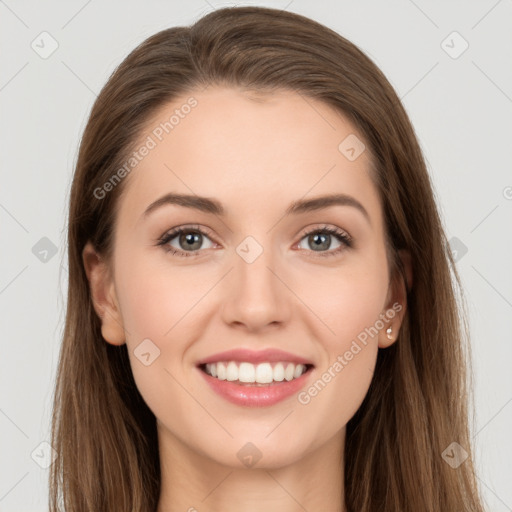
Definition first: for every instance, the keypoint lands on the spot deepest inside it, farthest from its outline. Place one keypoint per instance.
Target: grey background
(461, 109)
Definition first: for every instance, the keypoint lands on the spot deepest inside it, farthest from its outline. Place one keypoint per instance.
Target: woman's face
(261, 277)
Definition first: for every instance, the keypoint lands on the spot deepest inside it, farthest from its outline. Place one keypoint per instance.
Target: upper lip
(270, 355)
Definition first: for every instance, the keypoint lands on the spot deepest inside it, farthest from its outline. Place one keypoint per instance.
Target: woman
(261, 314)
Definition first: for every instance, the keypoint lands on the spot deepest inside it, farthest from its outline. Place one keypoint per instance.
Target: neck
(191, 482)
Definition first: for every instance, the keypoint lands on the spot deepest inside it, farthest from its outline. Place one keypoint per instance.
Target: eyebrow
(212, 206)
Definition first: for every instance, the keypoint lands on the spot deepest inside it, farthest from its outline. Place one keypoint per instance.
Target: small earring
(388, 332)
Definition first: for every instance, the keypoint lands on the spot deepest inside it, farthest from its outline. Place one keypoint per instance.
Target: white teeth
(221, 371)
(279, 372)
(262, 373)
(246, 372)
(212, 370)
(232, 371)
(289, 371)
(297, 373)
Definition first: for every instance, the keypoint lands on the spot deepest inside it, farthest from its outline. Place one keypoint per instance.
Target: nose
(255, 296)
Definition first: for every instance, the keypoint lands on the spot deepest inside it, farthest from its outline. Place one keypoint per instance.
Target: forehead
(252, 148)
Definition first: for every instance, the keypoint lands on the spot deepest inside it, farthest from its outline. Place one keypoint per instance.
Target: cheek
(349, 302)
(336, 393)
(342, 380)
(156, 299)
(158, 315)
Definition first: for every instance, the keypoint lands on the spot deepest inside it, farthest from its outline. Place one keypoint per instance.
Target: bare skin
(256, 158)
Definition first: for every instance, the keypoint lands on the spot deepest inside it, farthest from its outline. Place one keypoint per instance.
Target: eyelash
(340, 235)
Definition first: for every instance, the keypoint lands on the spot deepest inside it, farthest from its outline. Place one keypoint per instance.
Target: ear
(103, 296)
(396, 302)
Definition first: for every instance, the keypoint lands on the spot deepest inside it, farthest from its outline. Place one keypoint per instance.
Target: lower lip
(256, 396)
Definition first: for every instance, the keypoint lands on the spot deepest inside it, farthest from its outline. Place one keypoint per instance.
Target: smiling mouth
(255, 375)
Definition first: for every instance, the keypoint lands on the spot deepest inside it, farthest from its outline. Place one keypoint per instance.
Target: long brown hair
(417, 404)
